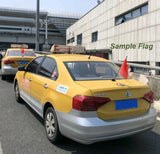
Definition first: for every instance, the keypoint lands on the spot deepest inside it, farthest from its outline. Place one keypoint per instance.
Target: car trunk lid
(122, 91)
(19, 61)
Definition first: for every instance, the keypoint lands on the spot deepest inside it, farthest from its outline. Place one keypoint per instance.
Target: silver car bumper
(8, 70)
(90, 129)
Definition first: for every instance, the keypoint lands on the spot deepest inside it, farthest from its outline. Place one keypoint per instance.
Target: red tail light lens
(149, 97)
(85, 103)
(8, 62)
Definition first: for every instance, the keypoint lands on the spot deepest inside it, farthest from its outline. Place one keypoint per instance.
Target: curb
(158, 114)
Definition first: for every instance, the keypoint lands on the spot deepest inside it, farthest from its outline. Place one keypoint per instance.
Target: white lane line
(158, 118)
(1, 152)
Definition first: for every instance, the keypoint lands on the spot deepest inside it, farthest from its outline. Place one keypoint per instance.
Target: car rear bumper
(8, 70)
(88, 130)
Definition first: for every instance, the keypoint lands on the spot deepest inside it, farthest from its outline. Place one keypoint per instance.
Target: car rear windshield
(81, 71)
(19, 53)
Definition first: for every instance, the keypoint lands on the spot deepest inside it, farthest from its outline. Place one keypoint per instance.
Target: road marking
(158, 118)
(1, 152)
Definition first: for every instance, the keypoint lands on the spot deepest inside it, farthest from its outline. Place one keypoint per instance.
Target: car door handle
(30, 79)
(45, 86)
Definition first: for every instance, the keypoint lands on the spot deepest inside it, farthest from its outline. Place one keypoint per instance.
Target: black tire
(3, 77)
(51, 126)
(17, 94)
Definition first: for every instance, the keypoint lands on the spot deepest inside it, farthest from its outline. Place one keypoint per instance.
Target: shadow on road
(139, 144)
(9, 79)
(145, 142)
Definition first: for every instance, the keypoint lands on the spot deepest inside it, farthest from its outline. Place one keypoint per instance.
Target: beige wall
(144, 29)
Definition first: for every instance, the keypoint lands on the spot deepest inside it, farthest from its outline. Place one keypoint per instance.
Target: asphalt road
(22, 132)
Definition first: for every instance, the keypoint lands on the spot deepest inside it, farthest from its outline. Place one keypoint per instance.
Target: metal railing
(139, 66)
(133, 67)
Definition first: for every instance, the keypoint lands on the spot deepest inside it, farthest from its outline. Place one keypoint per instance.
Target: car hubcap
(50, 124)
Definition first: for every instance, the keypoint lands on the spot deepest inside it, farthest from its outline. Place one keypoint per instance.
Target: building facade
(121, 28)
(18, 26)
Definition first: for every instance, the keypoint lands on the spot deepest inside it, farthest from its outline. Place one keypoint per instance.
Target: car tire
(51, 126)
(17, 93)
(3, 77)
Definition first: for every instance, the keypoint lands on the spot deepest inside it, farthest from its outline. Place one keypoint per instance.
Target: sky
(79, 7)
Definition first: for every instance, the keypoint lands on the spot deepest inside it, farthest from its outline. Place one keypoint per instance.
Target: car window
(48, 68)
(18, 53)
(32, 67)
(93, 70)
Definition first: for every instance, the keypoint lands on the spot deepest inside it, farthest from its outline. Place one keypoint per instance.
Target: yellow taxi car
(84, 98)
(14, 58)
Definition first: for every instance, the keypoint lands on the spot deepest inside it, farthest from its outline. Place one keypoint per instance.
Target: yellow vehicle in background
(0, 59)
(84, 98)
(16, 56)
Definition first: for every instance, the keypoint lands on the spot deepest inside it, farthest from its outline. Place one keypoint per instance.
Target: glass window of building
(94, 36)
(119, 20)
(72, 40)
(68, 41)
(136, 13)
(128, 16)
(144, 9)
(79, 39)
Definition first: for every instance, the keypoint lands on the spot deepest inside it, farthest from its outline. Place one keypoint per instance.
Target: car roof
(19, 49)
(76, 57)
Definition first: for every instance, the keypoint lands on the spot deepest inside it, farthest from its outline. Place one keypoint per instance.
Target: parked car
(84, 98)
(0, 59)
(14, 58)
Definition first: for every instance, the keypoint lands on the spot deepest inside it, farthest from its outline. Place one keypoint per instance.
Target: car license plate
(126, 104)
(22, 62)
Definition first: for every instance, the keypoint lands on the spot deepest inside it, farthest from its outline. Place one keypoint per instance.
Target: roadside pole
(37, 26)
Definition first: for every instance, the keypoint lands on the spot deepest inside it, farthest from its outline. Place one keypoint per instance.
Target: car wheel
(17, 94)
(51, 126)
(3, 77)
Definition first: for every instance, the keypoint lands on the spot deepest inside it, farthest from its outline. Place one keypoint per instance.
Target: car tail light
(8, 61)
(86, 103)
(149, 97)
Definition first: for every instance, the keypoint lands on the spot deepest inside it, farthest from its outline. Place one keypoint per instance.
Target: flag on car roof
(124, 69)
(22, 51)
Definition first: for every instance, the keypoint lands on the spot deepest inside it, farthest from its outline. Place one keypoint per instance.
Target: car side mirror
(22, 68)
